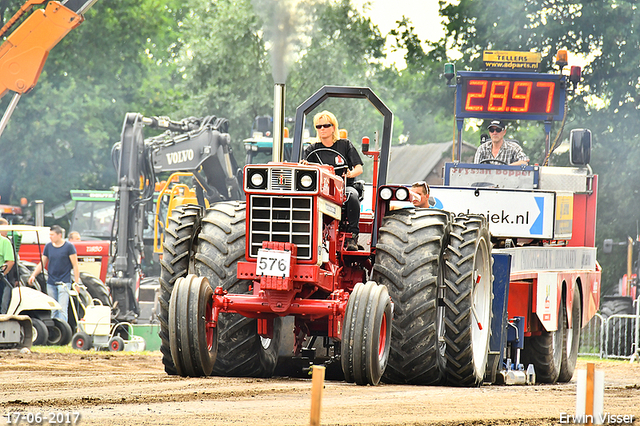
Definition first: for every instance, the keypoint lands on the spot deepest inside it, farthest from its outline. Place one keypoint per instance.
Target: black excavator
(196, 147)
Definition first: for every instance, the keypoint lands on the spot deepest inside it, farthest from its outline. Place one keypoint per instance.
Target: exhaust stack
(278, 122)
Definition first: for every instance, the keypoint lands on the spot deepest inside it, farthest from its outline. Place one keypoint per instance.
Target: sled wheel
(60, 333)
(571, 338)
(116, 344)
(192, 336)
(545, 352)
(369, 331)
(468, 299)
(40, 332)
(82, 341)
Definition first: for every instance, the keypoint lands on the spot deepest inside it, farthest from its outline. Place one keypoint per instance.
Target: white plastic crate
(97, 320)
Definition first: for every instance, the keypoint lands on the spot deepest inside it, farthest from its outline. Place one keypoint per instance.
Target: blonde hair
(331, 119)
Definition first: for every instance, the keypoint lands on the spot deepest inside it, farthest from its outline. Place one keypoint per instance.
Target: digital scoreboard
(510, 95)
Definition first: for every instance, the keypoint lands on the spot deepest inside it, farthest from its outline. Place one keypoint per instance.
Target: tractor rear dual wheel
(468, 299)
(192, 337)
(177, 247)
(408, 263)
(366, 334)
(242, 352)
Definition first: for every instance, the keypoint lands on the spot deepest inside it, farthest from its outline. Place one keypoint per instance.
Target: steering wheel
(315, 151)
(493, 160)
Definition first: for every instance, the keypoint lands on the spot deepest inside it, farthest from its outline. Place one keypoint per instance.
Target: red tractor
(231, 273)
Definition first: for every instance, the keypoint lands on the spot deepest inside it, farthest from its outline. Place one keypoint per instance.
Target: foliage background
(217, 57)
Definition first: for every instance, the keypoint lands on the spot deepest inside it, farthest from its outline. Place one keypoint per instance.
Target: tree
(226, 68)
(609, 102)
(224, 65)
(421, 97)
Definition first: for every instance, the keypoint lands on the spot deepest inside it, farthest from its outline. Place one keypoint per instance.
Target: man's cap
(496, 123)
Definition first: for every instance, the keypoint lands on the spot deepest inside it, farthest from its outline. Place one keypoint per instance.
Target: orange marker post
(317, 384)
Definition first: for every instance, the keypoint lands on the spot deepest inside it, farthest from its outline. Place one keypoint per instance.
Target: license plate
(274, 263)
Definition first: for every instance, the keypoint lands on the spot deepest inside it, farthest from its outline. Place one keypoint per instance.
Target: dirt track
(128, 389)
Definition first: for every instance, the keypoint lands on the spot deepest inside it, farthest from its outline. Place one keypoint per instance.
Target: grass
(598, 359)
(68, 349)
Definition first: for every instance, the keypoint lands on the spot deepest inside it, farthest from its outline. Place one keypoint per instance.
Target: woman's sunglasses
(326, 126)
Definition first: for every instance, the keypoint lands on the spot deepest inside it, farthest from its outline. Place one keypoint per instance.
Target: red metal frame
(315, 292)
(523, 285)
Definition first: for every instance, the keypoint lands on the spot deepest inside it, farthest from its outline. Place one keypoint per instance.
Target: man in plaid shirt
(499, 149)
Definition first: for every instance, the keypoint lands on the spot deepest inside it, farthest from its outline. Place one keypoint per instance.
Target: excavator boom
(25, 50)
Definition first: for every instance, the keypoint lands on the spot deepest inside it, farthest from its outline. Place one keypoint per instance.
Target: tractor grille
(282, 179)
(282, 219)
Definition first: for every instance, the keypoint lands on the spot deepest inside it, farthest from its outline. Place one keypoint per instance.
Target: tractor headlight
(306, 180)
(257, 178)
(386, 194)
(402, 194)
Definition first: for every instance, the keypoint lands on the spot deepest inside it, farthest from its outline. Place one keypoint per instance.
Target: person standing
(74, 236)
(59, 257)
(16, 240)
(343, 156)
(500, 150)
(7, 260)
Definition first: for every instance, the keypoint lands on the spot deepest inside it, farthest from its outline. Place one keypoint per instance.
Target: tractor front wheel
(192, 336)
(242, 352)
(367, 334)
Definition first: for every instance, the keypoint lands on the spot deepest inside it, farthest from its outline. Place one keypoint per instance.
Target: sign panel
(525, 259)
(275, 263)
(510, 95)
(509, 212)
(564, 215)
(490, 175)
(511, 61)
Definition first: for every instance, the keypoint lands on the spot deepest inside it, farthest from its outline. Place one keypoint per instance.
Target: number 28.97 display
(505, 97)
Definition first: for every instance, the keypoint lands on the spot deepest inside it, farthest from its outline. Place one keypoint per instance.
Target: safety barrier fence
(614, 337)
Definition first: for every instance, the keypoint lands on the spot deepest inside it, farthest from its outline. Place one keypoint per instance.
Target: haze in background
(283, 21)
(423, 14)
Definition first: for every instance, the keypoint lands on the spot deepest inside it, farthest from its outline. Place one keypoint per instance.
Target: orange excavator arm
(25, 50)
